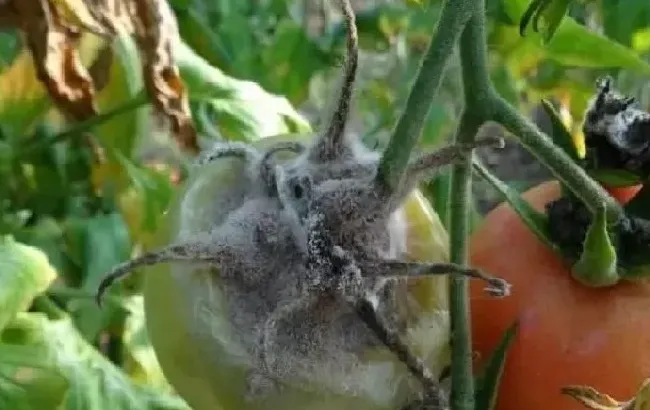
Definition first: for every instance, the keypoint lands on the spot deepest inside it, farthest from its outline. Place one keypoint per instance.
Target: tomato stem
(555, 159)
(462, 381)
(463, 21)
(406, 134)
(477, 89)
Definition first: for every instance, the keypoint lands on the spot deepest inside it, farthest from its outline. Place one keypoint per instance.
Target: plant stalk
(477, 90)
(462, 379)
(555, 159)
(405, 136)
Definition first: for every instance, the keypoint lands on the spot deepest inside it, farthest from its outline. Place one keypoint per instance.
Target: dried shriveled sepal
(53, 29)
(593, 399)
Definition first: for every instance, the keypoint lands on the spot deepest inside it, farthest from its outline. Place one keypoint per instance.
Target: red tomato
(623, 194)
(569, 334)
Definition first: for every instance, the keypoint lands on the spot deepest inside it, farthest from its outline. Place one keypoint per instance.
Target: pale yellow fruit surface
(205, 365)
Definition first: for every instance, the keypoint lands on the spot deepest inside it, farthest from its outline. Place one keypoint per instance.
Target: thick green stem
(406, 134)
(477, 89)
(462, 381)
(558, 162)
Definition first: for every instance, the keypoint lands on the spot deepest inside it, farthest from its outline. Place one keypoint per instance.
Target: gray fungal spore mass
(617, 134)
(303, 262)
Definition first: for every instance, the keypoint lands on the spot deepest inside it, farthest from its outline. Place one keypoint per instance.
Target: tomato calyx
(593, 399)
(602, 253)
(618, 157)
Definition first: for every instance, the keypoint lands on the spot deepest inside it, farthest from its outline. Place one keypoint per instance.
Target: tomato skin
(623, 194)
(569, 333)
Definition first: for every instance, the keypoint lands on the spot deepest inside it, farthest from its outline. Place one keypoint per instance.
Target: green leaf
(105, 243)
(560, 135)
(622, 20)
(532, 10)
(505, 83)
(378, 26)
(291, 60)
(550, 11)
(154, 187)
(125, 85)
(25, 272)
(141, 362)
(94, 382)
(536, 221)
(243, 109)
(47, 235)
(195, 30)
(597, 265)
(489, 377)
(553, 15)
(615, 177)
(573, 44)
(22, 97)
(25, 384)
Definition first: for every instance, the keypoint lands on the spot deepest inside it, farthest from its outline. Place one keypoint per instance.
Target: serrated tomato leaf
(25, 272)
(243, 109)
(535, 220)
(489, 377)
(291, 60)
(573, 44)
(141, 362)
(532, 10)
(25, 383)
(103, 242)
(93, 381)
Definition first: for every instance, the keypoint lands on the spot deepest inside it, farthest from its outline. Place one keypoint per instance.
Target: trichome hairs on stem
(311, 263)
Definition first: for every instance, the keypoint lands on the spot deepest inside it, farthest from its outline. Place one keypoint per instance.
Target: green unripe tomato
(193, 341)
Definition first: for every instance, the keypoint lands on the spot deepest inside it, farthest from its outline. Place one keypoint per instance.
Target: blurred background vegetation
(78, 198)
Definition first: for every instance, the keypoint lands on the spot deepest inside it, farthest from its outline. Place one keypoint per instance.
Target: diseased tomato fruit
(208, 367)
(569, 334)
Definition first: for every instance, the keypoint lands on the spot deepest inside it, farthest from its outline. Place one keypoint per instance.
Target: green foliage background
(254, 69)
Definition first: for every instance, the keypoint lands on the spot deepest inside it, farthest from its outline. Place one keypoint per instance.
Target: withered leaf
(53, 28)
(53, 45)
(157, 33)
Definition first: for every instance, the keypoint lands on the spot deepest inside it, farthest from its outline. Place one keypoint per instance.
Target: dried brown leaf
(53, 29)
(157, 33)
(9, 17)
(58, 65)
